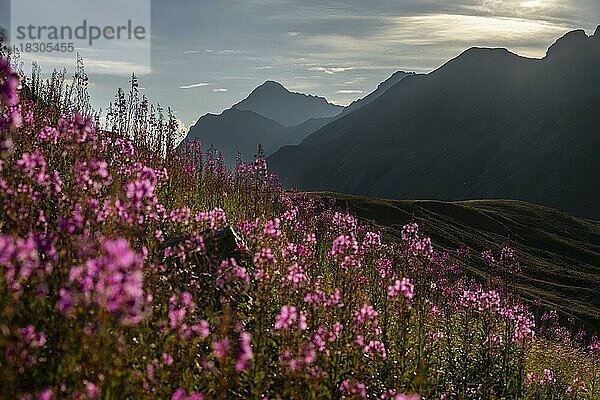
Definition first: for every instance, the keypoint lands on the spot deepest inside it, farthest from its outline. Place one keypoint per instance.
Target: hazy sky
(209, 54)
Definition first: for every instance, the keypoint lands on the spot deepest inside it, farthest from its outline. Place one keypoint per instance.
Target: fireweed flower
(577, 386)
(229, 272)
(49, 134)
(343, 244)
(213, 219)
(344, 221)
(264, 257)
(180, 394)
(396, 395)
(92, 390)
(549, 376)
(34, 166)
(201, 329)
(220, 347)
(179, 308)
(113, 280)
(481, 300)
(371, 240)
(353, 389)
(321, 299)
(416, 246)
(366, 313)
(246, 353)
(92, 175)
(272, 228)
(296, 276)
(524, 327)
(47, 394)
(403, 286)
(9, 84)
(32, 338)
(375, 346)
(22, 258)
(286, 318)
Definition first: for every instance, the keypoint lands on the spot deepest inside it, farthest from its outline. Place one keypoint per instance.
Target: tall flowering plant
(127, 274)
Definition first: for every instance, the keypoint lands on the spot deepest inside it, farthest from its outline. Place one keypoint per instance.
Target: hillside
(560, 254)
(487, 124)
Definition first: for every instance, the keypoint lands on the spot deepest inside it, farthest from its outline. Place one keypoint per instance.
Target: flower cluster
(120, 275)
(9, 85)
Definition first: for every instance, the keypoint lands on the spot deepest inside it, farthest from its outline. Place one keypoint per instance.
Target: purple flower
(65, 301)
(114, 280)
(286, 318)
(220, 347)
(92, 390)
(167, 359)
(9, 84)
(246, 353)
(179, 394)
(49, 134)
(32, 338)
(403, 286)
(202, 329)
(375, 346)
(34, 166)
(354, 389)
(47, 394)
(272, 228)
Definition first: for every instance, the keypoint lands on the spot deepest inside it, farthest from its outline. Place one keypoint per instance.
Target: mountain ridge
(488, 123)
(245, 131)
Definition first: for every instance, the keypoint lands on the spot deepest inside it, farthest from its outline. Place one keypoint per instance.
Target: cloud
(349, 91)
(220, 90)
(224, 52)
(92, 65)
(331, 70)
(457, 32)
(194, 85)
(355, 80)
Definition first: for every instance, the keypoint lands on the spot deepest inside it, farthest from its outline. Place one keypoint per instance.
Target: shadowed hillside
(560, 254)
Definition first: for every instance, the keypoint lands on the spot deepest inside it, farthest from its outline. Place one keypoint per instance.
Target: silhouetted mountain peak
(570, 43)
(270, 87)
(477, 60)
(597, 32)
(274, 101)
(479, 52)
(398, 74)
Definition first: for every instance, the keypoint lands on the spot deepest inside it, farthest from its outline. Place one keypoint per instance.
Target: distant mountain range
(273, 117)
(487, 124)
